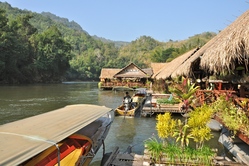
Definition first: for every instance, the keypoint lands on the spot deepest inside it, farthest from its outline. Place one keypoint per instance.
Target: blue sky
(127, 20)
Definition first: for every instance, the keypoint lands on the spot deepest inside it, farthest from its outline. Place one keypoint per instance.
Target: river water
(18, 102)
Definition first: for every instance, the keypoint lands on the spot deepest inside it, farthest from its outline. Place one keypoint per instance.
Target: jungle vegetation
(45, 48)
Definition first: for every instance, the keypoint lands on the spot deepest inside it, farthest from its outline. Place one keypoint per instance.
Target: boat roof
(23, 139)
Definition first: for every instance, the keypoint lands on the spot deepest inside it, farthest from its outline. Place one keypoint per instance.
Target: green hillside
(42, 47)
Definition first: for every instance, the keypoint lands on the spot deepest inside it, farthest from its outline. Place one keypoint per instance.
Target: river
(18, 102)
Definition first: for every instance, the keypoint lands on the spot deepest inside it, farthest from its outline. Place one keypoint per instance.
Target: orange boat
(68, 136)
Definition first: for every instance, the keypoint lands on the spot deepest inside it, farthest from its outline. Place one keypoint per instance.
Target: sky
(128, 20)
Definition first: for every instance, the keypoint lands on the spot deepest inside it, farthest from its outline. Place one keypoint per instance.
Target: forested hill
(64, 21)
(46, 48)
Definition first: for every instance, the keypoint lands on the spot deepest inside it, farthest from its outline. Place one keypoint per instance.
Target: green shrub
(166, 101)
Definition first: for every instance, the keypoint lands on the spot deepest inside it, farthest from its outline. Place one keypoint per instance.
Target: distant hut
(107, 78)
(130, 76)
(133, 73)
(107, 74)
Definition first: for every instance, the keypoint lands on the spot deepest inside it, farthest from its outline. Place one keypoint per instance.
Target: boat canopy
(23, 139)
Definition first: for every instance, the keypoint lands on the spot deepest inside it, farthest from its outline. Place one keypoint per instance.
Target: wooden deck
(123, 159)
(152, 107)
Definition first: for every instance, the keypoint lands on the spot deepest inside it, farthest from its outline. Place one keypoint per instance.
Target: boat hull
(71, 150)
(137, 101)
(120, 111)
(79, 148)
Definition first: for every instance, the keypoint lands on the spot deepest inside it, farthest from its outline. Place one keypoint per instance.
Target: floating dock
(151, 106)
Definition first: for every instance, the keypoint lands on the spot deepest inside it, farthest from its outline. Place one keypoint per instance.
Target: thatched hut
(222, 54)
(231, 50)
(224, 58)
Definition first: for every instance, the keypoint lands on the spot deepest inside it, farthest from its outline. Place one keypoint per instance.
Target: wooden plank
(126, 159)
(112, 156)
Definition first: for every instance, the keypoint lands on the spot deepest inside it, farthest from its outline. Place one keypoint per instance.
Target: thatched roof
(222, 51)
(129, 71)
(174, 64)
(231, 49)
(132, 71)
(108, 72)
(185, 69)
(157, 67)
(148, 71)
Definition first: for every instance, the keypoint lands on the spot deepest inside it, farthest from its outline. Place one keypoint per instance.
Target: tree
(160, 55)
(157, 56)
(24, 54)
(16, 50)
(52, 55)
(4, 43)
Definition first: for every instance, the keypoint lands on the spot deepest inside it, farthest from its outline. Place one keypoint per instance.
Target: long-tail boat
(71, 135)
